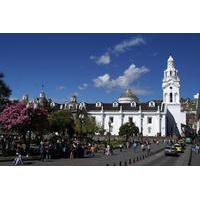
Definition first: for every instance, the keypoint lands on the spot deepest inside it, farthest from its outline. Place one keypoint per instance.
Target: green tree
(128, 130)
(61, 121)
(101, 130)
(86, 126)
(5, 91)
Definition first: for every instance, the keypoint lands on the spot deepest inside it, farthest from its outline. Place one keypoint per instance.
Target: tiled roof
(125, 107)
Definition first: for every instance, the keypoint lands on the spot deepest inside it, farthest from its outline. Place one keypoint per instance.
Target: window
(111, 119)
(149, 130)
(170, 73)
(115, 104)
(98, 104)
(152, 104)
(171, 97)
(70, 107)
(82, 105)
(130, 119)
(133, 104)
(149, 120)
(53, 104)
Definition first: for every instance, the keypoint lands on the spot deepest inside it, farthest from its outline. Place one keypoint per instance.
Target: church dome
(128, 97)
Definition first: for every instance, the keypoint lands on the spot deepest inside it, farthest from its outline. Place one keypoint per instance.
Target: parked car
(179, 148)
(171, 151)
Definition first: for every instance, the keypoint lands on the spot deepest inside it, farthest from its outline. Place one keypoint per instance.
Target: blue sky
(97, 67)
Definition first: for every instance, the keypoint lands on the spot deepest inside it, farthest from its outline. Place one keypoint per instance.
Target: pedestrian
(149, 148)
(42, 151)
(143, 147)
(197, 149)
(18, 159)
(92, 151)
(127, 145)
(46, 148)
(120, 147)
(108, 151)
(134, 146)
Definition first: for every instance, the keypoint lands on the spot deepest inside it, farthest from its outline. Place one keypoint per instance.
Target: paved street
(127, 157)
(99, 160)
(195, 160)
(161, 160)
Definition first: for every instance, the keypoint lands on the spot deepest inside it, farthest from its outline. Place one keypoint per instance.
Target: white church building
(154, 118)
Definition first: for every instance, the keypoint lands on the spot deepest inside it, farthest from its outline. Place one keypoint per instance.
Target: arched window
(171, 97)
(151, 104)
(133, 104)
(115, 104)
(82, 105)
(98, 104)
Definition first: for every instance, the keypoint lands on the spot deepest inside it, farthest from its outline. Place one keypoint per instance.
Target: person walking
(143, 147)
(134, 146)
(18, 159)
(197, 149)
(120, 147)
(149, 148)
(108, 150)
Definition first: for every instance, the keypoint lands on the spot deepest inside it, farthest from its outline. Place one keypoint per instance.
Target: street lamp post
(81, 117)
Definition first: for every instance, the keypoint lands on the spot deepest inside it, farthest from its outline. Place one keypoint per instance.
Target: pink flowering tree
(23, 119)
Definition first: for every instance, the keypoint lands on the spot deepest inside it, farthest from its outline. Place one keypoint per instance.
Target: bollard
(120, 163)
(107, 164)
(130, 162)
(133, 160)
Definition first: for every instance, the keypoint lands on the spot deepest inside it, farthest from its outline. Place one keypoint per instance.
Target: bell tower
(171, 99)
(171, 83)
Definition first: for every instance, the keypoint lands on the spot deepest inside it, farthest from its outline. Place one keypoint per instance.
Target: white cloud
(102, 60)
(61, 87)
(122, 47)
(125, 80)
(126, 44)
(83, 86)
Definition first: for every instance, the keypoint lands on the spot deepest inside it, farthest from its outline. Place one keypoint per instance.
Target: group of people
(66, 149)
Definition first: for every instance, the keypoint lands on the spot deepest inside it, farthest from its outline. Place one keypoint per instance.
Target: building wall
(175, 118)
(140, 119)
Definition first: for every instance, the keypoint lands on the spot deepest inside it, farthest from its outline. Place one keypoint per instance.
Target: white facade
(152, 118)
(171, 98)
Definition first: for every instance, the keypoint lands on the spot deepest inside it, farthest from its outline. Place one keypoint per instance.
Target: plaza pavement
(126, 157)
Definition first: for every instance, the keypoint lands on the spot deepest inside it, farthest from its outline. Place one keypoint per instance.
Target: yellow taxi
(179, 148)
